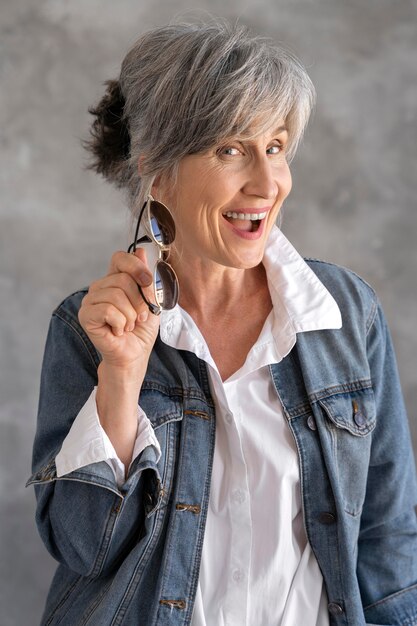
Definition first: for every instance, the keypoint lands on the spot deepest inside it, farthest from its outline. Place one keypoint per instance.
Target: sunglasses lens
(162, 223)
(166, 285)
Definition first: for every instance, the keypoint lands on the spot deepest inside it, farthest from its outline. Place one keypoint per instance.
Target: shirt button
(334, 608)
(229, 418)
(238, 496)
(311, 423)
(238, 576)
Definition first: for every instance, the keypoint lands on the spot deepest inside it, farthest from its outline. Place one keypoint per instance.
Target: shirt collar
(300, 303)
(295, 288)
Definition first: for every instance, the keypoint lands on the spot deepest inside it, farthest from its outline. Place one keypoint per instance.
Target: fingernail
(145, 278)
(143, 316)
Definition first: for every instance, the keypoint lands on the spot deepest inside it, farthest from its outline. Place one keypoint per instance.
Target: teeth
(246, 216)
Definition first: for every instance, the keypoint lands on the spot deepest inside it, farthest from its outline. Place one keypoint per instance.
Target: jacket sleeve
(388, 533)
(84, 518)
(87, 442)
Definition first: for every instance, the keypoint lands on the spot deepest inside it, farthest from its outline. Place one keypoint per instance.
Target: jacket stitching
(92, 352)
(63, 600)
(372, 316)
(181, 393)
(135, 578)
(311, 260)
(391, 597)
(94, 604)
(356, 385)
(106, 539)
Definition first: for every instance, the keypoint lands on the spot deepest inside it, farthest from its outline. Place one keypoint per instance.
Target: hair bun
(110, 137)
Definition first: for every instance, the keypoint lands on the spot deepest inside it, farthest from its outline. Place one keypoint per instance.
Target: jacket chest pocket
(350, 419)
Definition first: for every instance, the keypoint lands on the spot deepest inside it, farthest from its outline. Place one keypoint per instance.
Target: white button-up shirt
(257, 567)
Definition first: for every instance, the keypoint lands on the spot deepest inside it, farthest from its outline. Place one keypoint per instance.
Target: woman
(265, 476)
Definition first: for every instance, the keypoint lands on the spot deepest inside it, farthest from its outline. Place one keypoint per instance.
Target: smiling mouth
(248, 222)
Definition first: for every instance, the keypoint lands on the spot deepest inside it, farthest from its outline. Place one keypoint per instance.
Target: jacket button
(311, 423)
(360, 419)
(327, 518)
(334, 608)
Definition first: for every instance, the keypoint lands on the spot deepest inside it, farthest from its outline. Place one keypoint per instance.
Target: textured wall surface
(353, 201)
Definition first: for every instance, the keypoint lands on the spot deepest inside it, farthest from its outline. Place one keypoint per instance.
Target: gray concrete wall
(353, 202)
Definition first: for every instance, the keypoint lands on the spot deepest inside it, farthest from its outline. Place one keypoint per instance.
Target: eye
(229, 151)
(276, 148)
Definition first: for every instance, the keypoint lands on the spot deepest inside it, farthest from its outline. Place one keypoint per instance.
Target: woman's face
(226, 200)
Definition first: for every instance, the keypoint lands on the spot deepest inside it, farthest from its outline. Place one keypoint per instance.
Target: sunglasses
(159, 227)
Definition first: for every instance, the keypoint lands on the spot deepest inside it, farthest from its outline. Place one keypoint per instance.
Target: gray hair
(183, 89)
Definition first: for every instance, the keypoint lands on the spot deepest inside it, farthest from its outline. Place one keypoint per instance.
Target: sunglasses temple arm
(153, 308)
(137, 242)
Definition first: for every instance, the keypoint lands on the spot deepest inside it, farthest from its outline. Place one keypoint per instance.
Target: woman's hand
(115, 317)
(118, 322)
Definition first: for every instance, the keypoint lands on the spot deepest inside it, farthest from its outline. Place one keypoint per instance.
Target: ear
(156, 182)
(156, 186)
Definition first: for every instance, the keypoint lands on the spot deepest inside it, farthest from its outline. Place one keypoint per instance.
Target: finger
(130, 285)
(95, 318)
(148, 288)
(133, 264)
(121, 262)
(121, 281)
(121, 300)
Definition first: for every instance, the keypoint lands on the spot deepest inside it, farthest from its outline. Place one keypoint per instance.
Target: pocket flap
(159, 406)
(353, 411)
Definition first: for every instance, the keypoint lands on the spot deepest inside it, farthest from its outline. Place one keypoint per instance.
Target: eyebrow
(275, 131)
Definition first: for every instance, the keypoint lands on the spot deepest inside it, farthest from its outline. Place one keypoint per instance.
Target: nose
(262, 180)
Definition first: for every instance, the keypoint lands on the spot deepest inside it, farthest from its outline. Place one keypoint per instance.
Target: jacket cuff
(88, 443)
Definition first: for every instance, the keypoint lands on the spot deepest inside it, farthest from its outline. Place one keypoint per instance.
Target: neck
(207, 288)
(228, 305)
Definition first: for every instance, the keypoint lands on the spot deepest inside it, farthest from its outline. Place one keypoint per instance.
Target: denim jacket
(131, 555)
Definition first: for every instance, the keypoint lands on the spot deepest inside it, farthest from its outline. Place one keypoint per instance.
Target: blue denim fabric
(131, 556)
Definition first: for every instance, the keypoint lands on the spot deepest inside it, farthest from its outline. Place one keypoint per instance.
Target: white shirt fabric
(257, 567)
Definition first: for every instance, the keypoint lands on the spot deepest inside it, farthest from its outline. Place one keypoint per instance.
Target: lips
(247, 223)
